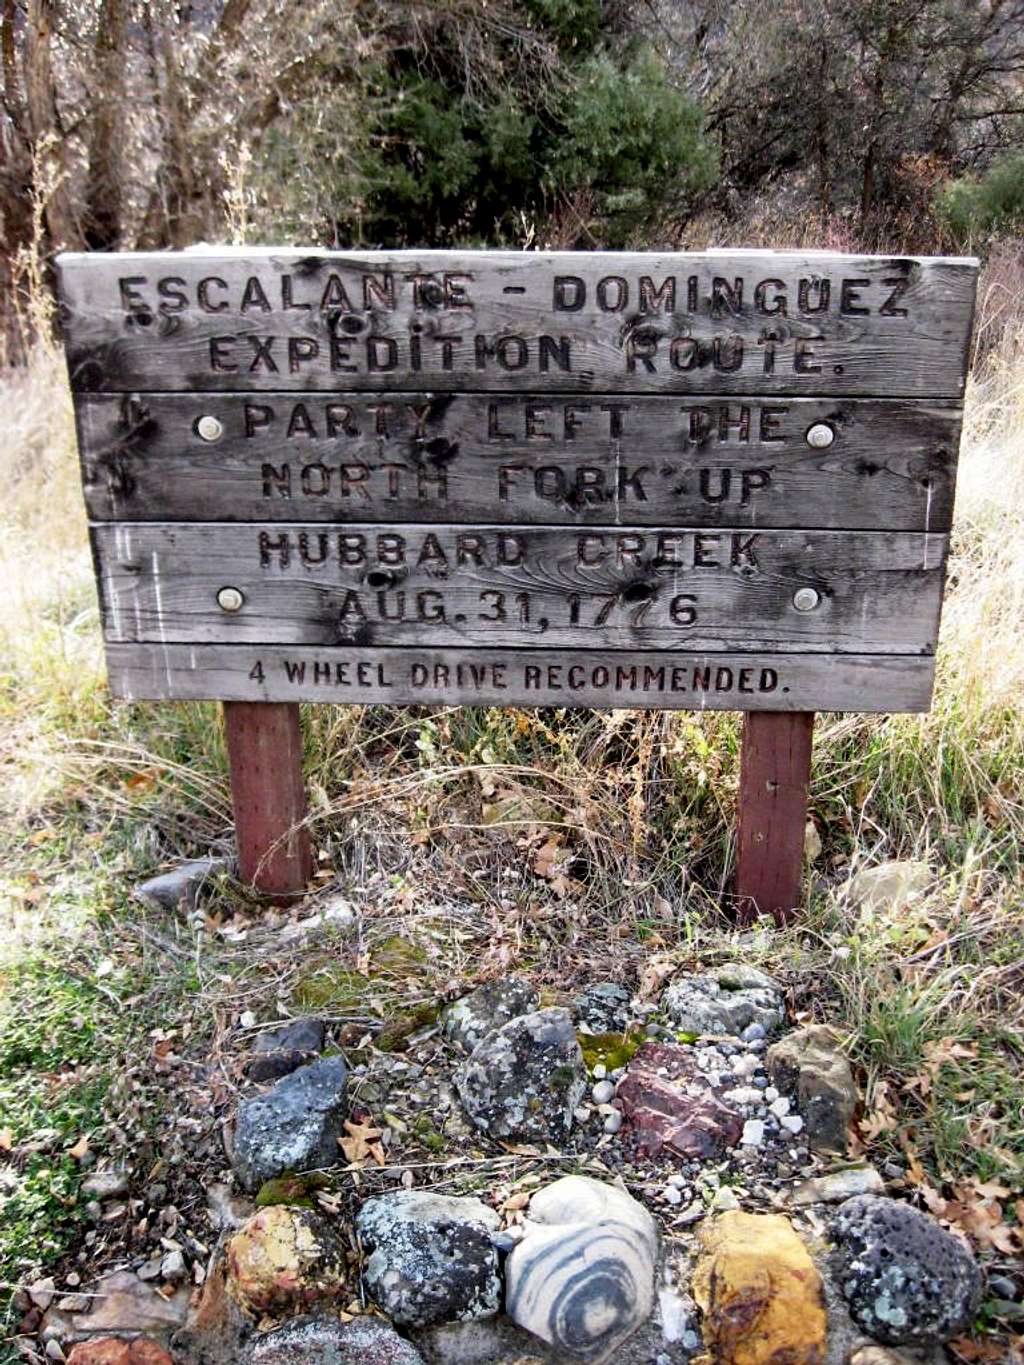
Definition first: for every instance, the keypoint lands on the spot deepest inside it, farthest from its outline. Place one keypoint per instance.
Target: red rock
(678, 1109)
(115, 1351)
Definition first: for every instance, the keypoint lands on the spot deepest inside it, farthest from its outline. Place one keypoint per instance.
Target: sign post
(717, 480)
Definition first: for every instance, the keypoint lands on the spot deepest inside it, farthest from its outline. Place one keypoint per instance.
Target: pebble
(105, 1184)
(671, 1195)
(752, 1033)
(1002, 1287)
(602, 1092)
(679, 1181)
(600, 1071)
(42, 1293)
(780, 1107)
(173, 1266)
(149, 1271)
(753, 1133)
(54, 1350)
(73, 1303)
(743, 1094)
(771, 1094)
(792, 1122)
(613, 1122)
(725, 1200)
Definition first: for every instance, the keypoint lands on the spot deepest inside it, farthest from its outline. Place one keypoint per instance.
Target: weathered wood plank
(737, 322)
(529, 677)
(650, 460)
(775, 774)
(596, 588)
(264, 746)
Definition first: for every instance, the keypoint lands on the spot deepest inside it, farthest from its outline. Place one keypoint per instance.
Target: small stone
(753, 1133)
(889, 889)
(602, 1092)
(526, 1078)
(286, 1259)
(295, 1127)
(73, 1303)
(326, 1341)
(603, 1007)
(468, 1021)
(600, 1071)
(752, 1032)
(582, 1278)
(179, 889)
(724, 1200)
(54, 1350)
(105, 1184)
(433, 1258)
(725, 1000)
(779, 1107)
(771, 1094)
(282, 1050)
(173, 1267)
(613, 1121)
(42, 1292)
(149, 1271)
(1002, 1287)
(792, 1123)
(761, 1296)
(743, 1094)
(905, 1278)
(839, 1185)
(671, 1195)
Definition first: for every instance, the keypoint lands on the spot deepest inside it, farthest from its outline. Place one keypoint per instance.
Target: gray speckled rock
(807, 1063)
(280, 1051)
(469, 1020)
(582, 1278)
(725, 1000)
(432, 1257)
(603, 1007)
(526, 1078)
(326, 1341)
(905, 1278)
(294, 1127)
(179, 889)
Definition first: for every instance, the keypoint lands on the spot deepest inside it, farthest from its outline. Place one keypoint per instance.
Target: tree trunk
(44, 126)
(104, 180)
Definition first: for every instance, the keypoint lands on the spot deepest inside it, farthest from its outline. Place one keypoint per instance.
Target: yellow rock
(759, 1292)
(285, 1259)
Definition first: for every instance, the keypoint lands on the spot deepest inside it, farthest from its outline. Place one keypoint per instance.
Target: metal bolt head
(806, 599)
(209, 428)
(820, 435)
(230, 599)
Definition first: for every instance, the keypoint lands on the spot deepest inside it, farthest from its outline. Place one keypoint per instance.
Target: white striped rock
(582, 1278)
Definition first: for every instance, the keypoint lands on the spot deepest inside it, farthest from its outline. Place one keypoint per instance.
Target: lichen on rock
(285, 1260)
(724, 1001)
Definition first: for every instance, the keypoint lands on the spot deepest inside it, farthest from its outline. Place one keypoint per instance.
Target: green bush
(976, 207)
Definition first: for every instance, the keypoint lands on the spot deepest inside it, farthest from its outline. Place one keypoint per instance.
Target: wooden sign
(718, 480)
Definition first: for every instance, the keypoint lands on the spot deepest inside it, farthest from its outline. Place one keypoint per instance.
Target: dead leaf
(6, 1140)
(80, 1148)
(360, 1143)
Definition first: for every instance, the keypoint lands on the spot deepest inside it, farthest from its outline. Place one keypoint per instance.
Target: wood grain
(529, 677)
(775, 774)
(650, 460)
(598, 588)
(712, 322)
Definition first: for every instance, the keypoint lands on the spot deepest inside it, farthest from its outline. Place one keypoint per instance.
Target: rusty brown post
(775, 773)
(265, 757)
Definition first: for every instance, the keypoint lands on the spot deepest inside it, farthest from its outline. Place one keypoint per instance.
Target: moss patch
(333, 988)
(398, 955)
(396, 1033)
(295, 1190)
(611, 1050)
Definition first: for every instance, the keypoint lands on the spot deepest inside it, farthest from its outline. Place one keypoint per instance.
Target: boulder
(285, 1259)
(468, 1021)
(670, 1103)
(116, 1351)
(582, 1277)
(762, 1299)
(326, 1341)
(887, 890)
(295, 1127)
(525, 1080)
(603, 1007)
(724, 1001)
(432, 1259)
(282, 1050)
(905, 1278)
(807, 1063)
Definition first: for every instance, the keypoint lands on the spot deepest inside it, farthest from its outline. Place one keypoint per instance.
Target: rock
(433, 1259)
(326, 1341)
(905, 1278)
(295, 1127)
(179, 889)
(333, 913)
(42, 1293)
(122, 1303)
(887, 891)
(762, 1298)
(114, 1351)
(494, 1341)
(880, 1355)
(839, 1185)
(173, 1267)
(468, 1021)
(110, 1184)
(582, 1278)
(658, 1099)
(281, 1051)
(613, 1121)
(525, 1079)
(807, 1063)
(725, 1000)
(753, 1133)
(227, 1211)
(603, 1007)
(602, 1092)
(285, 1259)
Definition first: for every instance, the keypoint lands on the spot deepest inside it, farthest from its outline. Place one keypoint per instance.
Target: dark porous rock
(468, 1021)
(179, 889)
(432, 1259)
(525, 1079)
(281, 1051)
(603, 1007)
(582, 1277)
(807, 1063)
(724, 1001)
(905, 1278)
(326, 1341)
(294, 1127)
(670, 1104)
